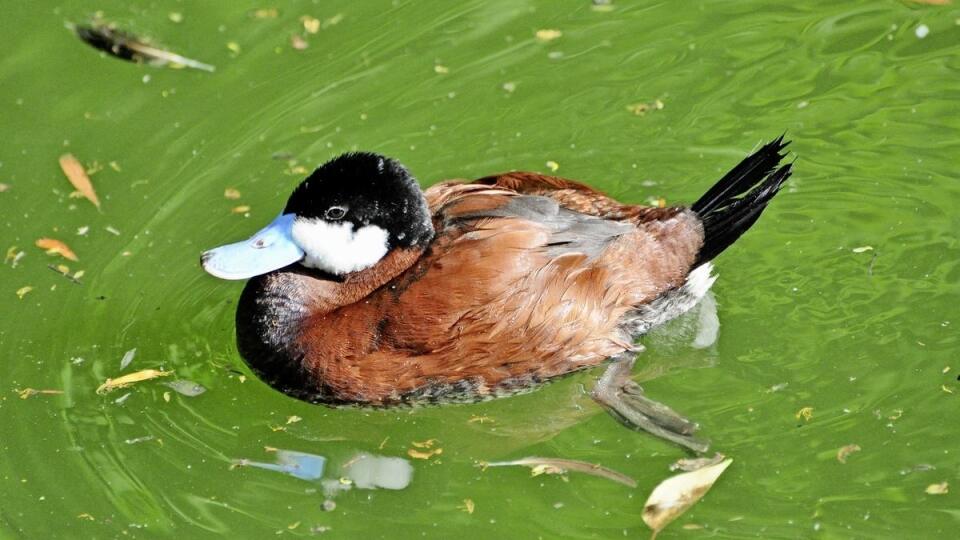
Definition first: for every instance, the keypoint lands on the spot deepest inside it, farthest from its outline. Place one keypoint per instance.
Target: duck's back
(529, 277)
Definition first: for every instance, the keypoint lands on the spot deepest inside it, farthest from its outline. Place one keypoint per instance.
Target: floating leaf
(676, 494)
(553, 166)
(186, 388)
(293, 419)
(56, 247)
(310, 24)
(542, 465)
(846, 451)
(442, 70)
(938, 489)
(862, 249)
(131, 378)
(22, 291)
(242, 209)
(231, 193)
(468, 506)
(4, 187)
(77, 175)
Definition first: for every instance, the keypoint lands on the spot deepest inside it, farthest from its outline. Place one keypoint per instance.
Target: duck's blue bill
(270, 249)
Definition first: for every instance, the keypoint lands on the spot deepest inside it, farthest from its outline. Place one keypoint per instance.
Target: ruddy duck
(366, 290)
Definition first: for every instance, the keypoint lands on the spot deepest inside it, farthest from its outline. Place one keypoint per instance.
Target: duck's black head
(343, 218)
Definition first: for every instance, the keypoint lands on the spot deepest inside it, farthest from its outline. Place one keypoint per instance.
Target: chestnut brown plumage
(527, 277)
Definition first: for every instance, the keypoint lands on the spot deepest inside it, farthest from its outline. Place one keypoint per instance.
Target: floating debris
(369, 471)
(553, 166)
(442, 70)
(22, 291)
(862, 249)
(547, 34)
(846, 451)
(139, 440)
(4, 187)
(186, 388)
(297, 464)
(293, 419)
(242, 209)
(125, 46)
(310, 24)
(64, 271)
(641, 109)
(298, 42)
(131, 378)
(127, 358)
(692, 464)
(468, 506)
(806, 413)
(30, 392)
(676, 494)
(922, 31)
(56, 247)
(77, 175)
(938, 489)
(542, 465)
(14, 254)
(231, 193)
(265, 13)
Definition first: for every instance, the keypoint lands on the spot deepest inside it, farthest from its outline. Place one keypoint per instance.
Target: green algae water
(837, 312)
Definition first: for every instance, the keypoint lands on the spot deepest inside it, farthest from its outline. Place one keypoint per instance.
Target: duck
(368, 291)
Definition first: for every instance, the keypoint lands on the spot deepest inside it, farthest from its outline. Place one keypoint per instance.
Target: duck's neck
(275, 309)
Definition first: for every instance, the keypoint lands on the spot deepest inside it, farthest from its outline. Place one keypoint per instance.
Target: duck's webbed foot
(624, 400)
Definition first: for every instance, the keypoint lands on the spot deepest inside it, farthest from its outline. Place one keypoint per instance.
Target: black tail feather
(735, 203)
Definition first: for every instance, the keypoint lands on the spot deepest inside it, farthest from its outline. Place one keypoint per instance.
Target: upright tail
(734, 203)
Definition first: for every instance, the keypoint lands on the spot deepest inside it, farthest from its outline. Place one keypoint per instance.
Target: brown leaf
(78, 177)
(131, 378)
(54, 246)
(676, 494)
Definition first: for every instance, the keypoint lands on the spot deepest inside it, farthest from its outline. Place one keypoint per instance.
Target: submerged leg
(624, 399)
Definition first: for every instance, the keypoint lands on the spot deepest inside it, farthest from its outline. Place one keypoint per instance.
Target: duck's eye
(335, 212)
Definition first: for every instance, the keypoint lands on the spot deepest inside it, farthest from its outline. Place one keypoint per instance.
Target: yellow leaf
(242, 209)
(56, 247)
(548, 34)
(131, 378)
(938, 489)
(310, 24)
(553, 166)
(22, 291)
(231, 193)
(806, 413)
(293, 419)
(676, 494)
(77, 176)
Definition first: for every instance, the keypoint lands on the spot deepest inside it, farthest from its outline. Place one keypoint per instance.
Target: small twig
(64, 274)
(872, 260)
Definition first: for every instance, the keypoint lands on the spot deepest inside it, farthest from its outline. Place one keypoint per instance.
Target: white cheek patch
(336, 247)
